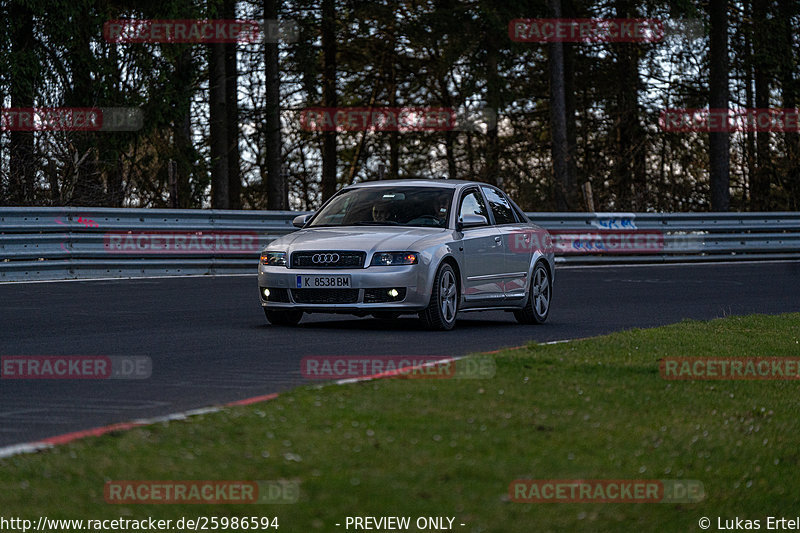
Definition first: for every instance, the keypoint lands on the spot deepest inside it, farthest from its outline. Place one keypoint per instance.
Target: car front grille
(328, 259)
(325, 296)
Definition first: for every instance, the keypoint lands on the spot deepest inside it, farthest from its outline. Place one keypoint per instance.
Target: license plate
(330, 282)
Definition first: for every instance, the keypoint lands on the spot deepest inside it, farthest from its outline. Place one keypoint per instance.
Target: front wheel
(283, 318)
(539, 298)
(441, 312)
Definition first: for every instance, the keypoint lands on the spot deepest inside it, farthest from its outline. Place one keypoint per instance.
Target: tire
(442, 310)
(283, 318)
(540, 297)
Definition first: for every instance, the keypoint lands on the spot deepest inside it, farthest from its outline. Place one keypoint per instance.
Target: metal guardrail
(685, 237)
(74, 243)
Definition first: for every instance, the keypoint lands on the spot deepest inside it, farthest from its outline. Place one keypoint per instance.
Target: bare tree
(232, 114)
(719, 142)
(328, 96)
(565, 182)
(276, 188)
(22, 165)
(760, 182)
(220, 198)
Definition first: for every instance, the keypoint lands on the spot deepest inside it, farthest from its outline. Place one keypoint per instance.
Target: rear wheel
(441, 312)
(539, 297)
(283, 318)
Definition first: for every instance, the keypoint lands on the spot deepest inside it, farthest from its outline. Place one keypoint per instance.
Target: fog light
(266, 293)
(393, 293)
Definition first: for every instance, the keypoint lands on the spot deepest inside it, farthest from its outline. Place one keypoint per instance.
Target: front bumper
(407, 277)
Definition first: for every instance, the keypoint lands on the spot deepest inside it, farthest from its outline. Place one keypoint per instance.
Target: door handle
(498, 240)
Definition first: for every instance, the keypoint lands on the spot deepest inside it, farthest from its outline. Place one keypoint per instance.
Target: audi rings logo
(325, 258)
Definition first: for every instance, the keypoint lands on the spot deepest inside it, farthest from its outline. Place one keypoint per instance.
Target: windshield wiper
(376, 223)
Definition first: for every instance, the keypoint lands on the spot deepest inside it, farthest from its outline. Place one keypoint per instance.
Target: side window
(472, 204)
(501, 209)
(520, 214)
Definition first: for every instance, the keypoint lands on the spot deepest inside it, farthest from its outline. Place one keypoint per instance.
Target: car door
(482, 249)
(516, 237)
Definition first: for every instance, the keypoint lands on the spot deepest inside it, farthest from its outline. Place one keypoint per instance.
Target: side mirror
(471, 221)
(300, 220)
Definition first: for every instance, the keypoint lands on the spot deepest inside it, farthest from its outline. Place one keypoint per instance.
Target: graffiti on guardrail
(88, 222)
(608, 241)
(614, 221)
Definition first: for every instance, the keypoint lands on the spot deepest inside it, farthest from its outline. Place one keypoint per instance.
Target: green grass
(590, 409)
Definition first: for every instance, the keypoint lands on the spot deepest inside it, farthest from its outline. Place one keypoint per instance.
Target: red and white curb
(51, 442)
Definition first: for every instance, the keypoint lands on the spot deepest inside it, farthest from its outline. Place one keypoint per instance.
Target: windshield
(387, 206)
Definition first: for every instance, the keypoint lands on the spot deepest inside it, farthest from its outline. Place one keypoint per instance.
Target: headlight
(394, 258)
(273, 258)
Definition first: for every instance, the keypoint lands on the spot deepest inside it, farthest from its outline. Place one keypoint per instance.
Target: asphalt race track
(209, 341)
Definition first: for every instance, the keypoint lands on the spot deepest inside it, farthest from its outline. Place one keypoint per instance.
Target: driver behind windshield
(381, 212)
(442, 203)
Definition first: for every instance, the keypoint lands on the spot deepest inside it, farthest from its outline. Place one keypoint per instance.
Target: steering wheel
(429, 218)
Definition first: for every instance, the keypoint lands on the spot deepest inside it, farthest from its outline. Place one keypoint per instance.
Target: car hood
(366, 238)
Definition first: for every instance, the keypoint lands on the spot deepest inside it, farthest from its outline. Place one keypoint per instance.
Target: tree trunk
(181, 128)
(573, 197)
(220, 198)
(492, 172)
(328, 96)
(760, 186)
(24, 72)
(276, 187)
(394, 136)
(719, 142)
(558, 118)
(232, 114)
(629, 168)
(789, 88)
(750, 136)
(88, 187)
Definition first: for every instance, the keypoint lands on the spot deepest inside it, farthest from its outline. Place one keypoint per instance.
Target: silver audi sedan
(428, 247)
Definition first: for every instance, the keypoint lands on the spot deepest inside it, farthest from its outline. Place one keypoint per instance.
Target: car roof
(452, 184)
